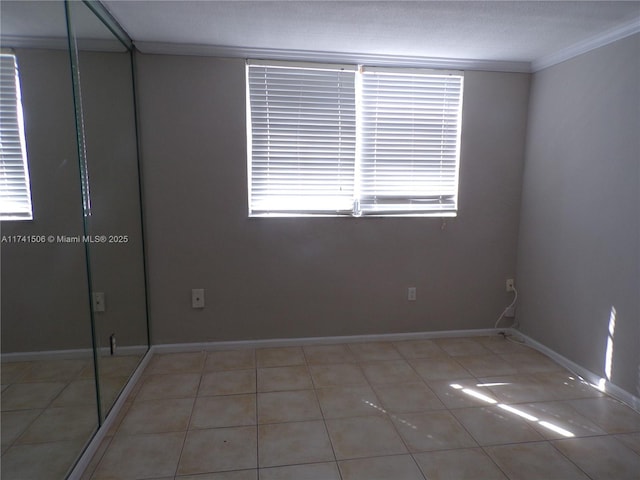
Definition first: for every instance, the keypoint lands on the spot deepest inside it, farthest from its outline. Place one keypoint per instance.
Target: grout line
(324, 420)
(493, 461)
(255, 368)
(193, 407)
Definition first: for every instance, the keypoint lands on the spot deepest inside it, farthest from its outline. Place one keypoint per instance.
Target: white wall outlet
(510, 284)
(197, 298)
(411, 294)
(510, 312)
(98, 302)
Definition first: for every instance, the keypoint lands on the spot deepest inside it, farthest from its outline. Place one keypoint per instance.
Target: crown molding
(332, 57)
(609, 36)
(62, 43)
(52, 43)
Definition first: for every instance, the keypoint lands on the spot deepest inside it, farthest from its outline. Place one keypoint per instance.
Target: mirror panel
(49, 402)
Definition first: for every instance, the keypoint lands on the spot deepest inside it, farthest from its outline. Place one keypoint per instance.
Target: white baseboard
(92, 447)
(602, 384)
(285, 342)
(78, 353)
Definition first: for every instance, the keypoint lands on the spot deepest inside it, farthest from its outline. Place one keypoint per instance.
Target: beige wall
(579, 248)
(301, 277)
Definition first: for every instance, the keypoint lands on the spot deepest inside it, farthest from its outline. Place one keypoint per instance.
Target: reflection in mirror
(74, 322)
(112, 212)
(49, 403)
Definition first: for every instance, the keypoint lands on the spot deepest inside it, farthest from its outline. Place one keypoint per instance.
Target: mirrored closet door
(73, 299)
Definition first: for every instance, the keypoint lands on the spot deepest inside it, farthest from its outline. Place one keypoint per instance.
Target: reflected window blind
(302, 139)
(15, 194)
(410, 132)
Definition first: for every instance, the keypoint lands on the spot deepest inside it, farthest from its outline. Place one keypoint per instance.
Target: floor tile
(26, 396)
(486, 365)
(439, 368)
(14, 372)
(119, 365)
(367, 352)
(328, 354)
(609, 414)
(279, 357)
(230, 360)
(500, 344)
(631, 440)
(56, 370)
(177, 385)
(364, 437)
(77, 393)
(157, 416)
(521, 388)
(224, 411)
(388, 372)
(191, 362)
(602, 458)
(461, 346)
(228, 383)
(110, 388)
(293, 443)
(560, 414)
(407, 397)
(436, 430)
(284, 378)
(565, 385)
(381, 468)
(348, 401)
(218, 450)
(39, 461)
(237, 475)
(534, 461)
(141, 456)
(419, 348)
(14, 423)
(495, 426)
(311, 471)
(61, 424)
(278, 407)
(456, 393)
(461, 464)
(530, 362)
(337, 374)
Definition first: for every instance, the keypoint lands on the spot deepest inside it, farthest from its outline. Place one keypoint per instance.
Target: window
(15, 193)
(347, 140)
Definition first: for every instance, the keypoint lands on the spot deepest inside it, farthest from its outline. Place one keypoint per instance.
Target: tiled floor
(49, 412)
(472, 408)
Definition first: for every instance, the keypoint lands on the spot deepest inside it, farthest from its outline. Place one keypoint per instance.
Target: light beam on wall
(608, 359)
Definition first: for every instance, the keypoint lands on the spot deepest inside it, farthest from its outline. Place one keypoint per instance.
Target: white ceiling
(516, 31)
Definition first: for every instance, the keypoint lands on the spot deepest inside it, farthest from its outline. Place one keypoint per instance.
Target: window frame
(22, 208)
(411, 207)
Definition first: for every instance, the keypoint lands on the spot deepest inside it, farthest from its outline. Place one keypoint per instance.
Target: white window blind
(302, 132)
(15, 194)
(410, 136)
(341, 141)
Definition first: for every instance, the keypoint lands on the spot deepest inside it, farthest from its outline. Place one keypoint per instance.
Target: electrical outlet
(510, 284)
(98, 302)
(197, 298)
(411, 294)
